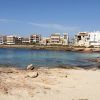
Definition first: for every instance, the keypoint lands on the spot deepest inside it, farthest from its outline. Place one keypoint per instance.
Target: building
(11, 39)
(57, 39)
(54, 39)
(95, 38)
(2, 39)
(65, 39)
(87, 39)
(82, 39)
(43, 41)
(19, 40)
(35, 38)
(25, 40)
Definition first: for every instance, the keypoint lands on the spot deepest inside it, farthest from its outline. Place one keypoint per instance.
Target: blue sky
(24, 17)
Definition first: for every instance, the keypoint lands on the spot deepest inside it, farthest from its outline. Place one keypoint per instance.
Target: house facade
(2, 39)
(11, 39)
(82, 39)
(65, 39)
(35, 38)
(43, 41)
(87, 39)
(95, 38)
(57, 39)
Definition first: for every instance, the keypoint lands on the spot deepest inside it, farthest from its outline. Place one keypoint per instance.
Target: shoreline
(50, 84)
(53, 48)
(87, 67)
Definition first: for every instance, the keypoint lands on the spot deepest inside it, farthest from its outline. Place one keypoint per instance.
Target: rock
(94, 60)
(98, 60)
(32, 74)
(66, 76)
(30, 67)
(87, 50)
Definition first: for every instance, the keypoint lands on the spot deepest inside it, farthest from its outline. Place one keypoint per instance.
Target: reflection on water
(23, 57)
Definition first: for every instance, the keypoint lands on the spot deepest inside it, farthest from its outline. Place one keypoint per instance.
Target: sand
(51, 84)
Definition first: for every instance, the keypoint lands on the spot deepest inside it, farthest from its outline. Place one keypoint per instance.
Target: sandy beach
(50, 84)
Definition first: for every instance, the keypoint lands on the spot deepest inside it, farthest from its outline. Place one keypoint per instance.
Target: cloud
(8, 21)
(56, 26)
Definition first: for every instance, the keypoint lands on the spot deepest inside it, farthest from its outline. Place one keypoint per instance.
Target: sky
(25, 17)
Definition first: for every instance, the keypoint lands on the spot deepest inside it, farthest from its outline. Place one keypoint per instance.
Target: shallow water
(22, 57)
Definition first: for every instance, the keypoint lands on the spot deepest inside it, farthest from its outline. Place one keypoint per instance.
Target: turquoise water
(22, 57)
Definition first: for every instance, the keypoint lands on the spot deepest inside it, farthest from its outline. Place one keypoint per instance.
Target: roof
(55, 34)
(83, 34)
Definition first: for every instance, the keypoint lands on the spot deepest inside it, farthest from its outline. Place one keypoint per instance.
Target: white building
(11, 39)
(87, 39)
(95, 38)
(82, 39)
(57, 39)
(65, 39)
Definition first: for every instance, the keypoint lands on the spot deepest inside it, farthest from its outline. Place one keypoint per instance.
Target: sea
(21, 58)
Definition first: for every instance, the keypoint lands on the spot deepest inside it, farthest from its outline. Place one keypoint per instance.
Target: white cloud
(56, 26)
(8, 21)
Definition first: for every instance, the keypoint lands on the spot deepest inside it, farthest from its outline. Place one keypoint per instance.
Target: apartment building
(87, 39)
(35, 38)
(57, 39)
(95, 38)
(2, 39)
(11, 39)
(82, 39)
(65, 39)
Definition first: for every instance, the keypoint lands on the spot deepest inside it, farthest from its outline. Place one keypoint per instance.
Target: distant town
(86, 39)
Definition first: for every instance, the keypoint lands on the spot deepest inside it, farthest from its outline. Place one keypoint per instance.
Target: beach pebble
(30, 67)
(32, 74)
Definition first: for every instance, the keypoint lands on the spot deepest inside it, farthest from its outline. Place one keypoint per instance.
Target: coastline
(51, 84)
(74, 83)
(54, 48)
(38, 47)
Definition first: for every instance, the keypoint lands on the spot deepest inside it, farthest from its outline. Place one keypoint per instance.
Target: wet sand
(51, 84)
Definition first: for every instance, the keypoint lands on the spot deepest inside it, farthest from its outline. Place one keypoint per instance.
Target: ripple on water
(22, 57)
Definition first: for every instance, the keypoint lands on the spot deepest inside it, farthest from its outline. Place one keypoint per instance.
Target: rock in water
(30, 67)
(32, 74)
